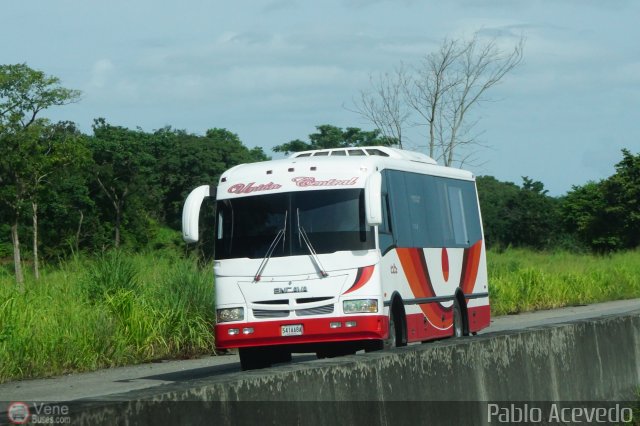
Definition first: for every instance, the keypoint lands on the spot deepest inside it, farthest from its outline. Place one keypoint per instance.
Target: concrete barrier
(588, 360)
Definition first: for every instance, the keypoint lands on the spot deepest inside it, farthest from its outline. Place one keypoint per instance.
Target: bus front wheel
(397, 329)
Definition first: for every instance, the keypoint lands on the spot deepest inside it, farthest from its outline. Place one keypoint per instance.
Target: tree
(184, 161)
(383, 104)
(295, 145)
(606, 215)
(122, 167)
(441, 91)
(425, 93)
(55, 150)
(622, 195)
(189, 160)
(583, 215)
(495, 196)
(14, 189)
(533, 216)
(24, 93)
(518, 216)
(329, 136)
(60, 181)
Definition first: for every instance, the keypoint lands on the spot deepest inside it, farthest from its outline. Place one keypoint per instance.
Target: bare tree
(440, 92)
(425, 93)
(478, 67)
(384, 104)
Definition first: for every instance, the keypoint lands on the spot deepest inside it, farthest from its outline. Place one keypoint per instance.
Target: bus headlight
(230, 314)
(360, 306)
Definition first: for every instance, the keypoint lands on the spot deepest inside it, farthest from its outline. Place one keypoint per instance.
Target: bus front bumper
(312, 330)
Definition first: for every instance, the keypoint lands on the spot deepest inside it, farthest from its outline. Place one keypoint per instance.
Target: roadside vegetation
(122, 308)
(525, 280)
(117, 309)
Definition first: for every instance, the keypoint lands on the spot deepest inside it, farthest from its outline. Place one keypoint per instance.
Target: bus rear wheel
(458, 326)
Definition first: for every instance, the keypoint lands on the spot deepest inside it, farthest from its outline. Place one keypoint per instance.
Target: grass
(114, 310)
(524, 280)
(123, 308)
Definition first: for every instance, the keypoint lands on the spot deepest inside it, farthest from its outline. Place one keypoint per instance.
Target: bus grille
(320, 310)
(265, 313)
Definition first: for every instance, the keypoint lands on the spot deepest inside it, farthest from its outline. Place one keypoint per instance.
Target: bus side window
(385, 234)
(386, 215)
(418, 209)
(399, 208)
(220, 223)
(459, 222)
(457, 219)
(385, 230)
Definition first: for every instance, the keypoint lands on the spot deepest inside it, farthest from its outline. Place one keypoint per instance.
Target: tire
(458, 324)
(280, 356)
(391, 341)
(397, 329)
(255, 358)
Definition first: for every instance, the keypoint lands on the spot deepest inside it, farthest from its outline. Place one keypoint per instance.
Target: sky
(272, 70)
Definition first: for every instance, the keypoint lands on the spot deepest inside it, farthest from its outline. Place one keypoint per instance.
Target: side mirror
(191, 212)
(373, 199)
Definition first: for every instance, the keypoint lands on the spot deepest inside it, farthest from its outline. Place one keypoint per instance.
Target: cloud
(273, 78)
(628, 73)
(100, 73)
(515, 30)
(601, 159)
(279, 6)
(367, 3)
(562, 61)
(410, 47)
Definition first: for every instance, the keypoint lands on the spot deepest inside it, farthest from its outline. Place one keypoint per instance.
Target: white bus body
(333, 251)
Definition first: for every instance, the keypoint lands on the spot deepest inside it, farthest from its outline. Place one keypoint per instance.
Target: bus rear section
(433, 256)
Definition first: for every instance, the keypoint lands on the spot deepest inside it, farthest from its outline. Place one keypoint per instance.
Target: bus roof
(368, 151)
(326, 169)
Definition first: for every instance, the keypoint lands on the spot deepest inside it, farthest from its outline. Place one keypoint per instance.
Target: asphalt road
(124, 379)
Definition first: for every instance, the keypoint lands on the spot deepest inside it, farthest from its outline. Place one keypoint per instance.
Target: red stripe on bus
(363, 277)
(419, 331)
(444, 259)
(479, 317)
(470, 265)
(415, 268)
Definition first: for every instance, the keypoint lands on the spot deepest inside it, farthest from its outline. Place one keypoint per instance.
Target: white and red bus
(333, 251)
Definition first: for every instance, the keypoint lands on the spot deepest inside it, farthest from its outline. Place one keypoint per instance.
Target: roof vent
(369, 151)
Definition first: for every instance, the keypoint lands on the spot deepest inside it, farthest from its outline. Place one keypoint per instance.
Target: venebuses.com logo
(20, 413)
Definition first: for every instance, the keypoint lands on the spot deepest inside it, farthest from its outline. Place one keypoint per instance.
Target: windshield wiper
(280, 235)
(302, 233)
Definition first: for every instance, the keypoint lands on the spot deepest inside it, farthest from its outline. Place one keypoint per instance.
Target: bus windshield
(334, 220)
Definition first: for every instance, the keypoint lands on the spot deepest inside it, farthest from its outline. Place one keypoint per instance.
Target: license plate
(292, 330)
